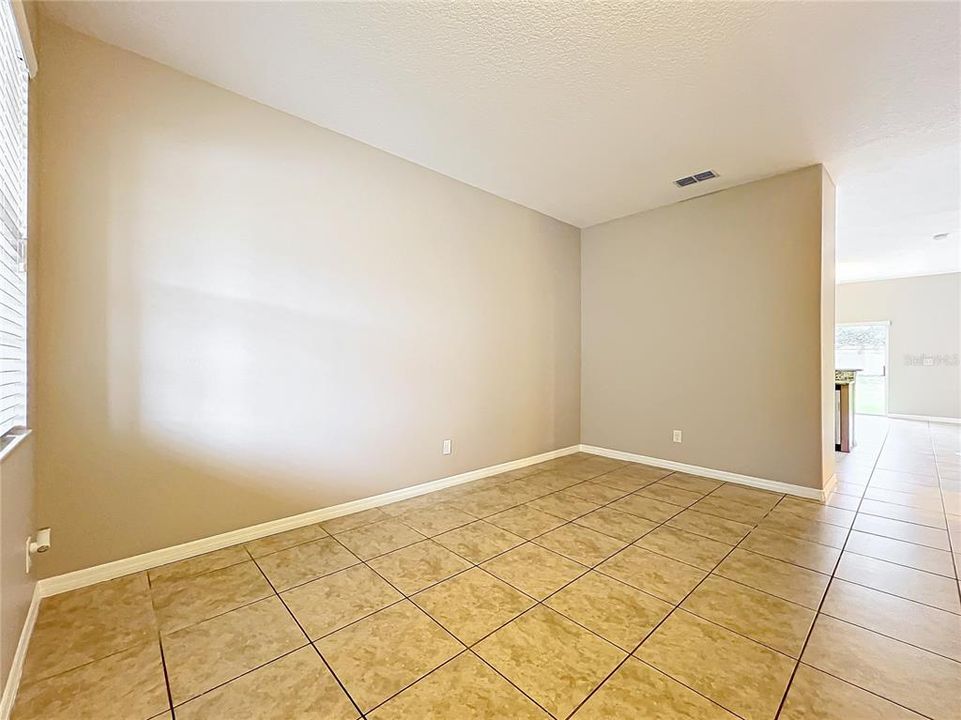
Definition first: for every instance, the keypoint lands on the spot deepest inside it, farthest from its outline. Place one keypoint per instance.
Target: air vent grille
(695, 178)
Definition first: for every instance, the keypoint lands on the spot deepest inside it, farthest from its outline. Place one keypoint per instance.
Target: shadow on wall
(235, 329)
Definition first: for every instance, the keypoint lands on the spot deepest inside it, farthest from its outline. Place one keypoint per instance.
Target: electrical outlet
(677, 436)
(446, 448)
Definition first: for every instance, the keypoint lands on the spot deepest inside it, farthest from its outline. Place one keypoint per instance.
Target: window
(13, 225)
(864, 347)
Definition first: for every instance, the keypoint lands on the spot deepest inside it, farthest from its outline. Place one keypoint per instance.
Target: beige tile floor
(582, 587)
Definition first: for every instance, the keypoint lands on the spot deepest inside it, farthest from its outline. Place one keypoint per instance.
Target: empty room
(420, 360)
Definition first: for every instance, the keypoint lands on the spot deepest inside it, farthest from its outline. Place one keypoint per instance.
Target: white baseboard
(118, 568)
(926, 418)
(16, 668)
(760, 483)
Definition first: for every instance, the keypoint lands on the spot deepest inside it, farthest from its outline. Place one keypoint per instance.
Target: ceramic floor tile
(784, 580)
(696, 550)
(928, 499)
(552, 481)
(525, 490)
(417, 566)
(436, 519)
(419, 502)
(466, 689)
(812, 556)
(905, 514)
(594, 465)
(526, 521)
(553, 660)
(534, 570)
(769, 620)
(636, 686)
(812, 510)
(922, 587)
(563, 505)
(741, 675)
(617, 612)
(349, 522)
(617, 524)
(730, 509)
(919, 680)
(670, 494)
(284, 540)
(908, 532)
(814, 695)
(387, 651)
(379, 538)
(919, 557)
(647, 507)
(639, 472)
(334, 601)
(712, 526)
(760, 499)
(694, 483)
(199, 565)
(850, 488)
(303, 563)
(581, 544)
(202, 656)
(655, 574)
(596, 492)
(926, 627)
(845, 502)
(472, 604)
(804, 529)
(297, 686)
(896, 480)
(128, 685)
(628, 482)
(479, 541)
(77, 627)
(198, 598)
(486, 502)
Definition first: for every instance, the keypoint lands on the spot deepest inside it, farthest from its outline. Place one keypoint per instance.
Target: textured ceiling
(588, 111)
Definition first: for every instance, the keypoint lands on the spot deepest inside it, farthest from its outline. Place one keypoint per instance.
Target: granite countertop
(845, 377)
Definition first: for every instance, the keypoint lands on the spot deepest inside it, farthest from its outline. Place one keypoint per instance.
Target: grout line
(587, 568)
(676, 607)
(309, 641)
(827, 588)
(163, 662)
(944, 511)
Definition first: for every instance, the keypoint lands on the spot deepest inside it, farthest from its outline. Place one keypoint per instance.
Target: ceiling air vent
(696, 178)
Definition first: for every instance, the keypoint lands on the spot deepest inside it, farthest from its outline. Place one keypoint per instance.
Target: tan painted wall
(17, 483)
(243, 316)
(925, 317)
(828, 312)
(705, 316)
(16, 524)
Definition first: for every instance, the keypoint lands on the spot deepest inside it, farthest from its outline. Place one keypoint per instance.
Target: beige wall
(17, 486)
(925, 317)
(16, 525)
(243, 316)
(828, 313)
(705, 316)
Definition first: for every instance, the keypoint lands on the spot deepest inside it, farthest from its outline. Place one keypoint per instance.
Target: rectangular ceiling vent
(696, 178)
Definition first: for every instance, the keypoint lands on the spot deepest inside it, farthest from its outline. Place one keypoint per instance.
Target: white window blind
(13, 225)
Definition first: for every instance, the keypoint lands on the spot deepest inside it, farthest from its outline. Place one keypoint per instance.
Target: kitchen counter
(844, 381)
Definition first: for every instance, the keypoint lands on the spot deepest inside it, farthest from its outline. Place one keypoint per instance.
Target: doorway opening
(864, 347)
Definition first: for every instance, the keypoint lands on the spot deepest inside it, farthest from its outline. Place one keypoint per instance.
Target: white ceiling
(588, 111)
